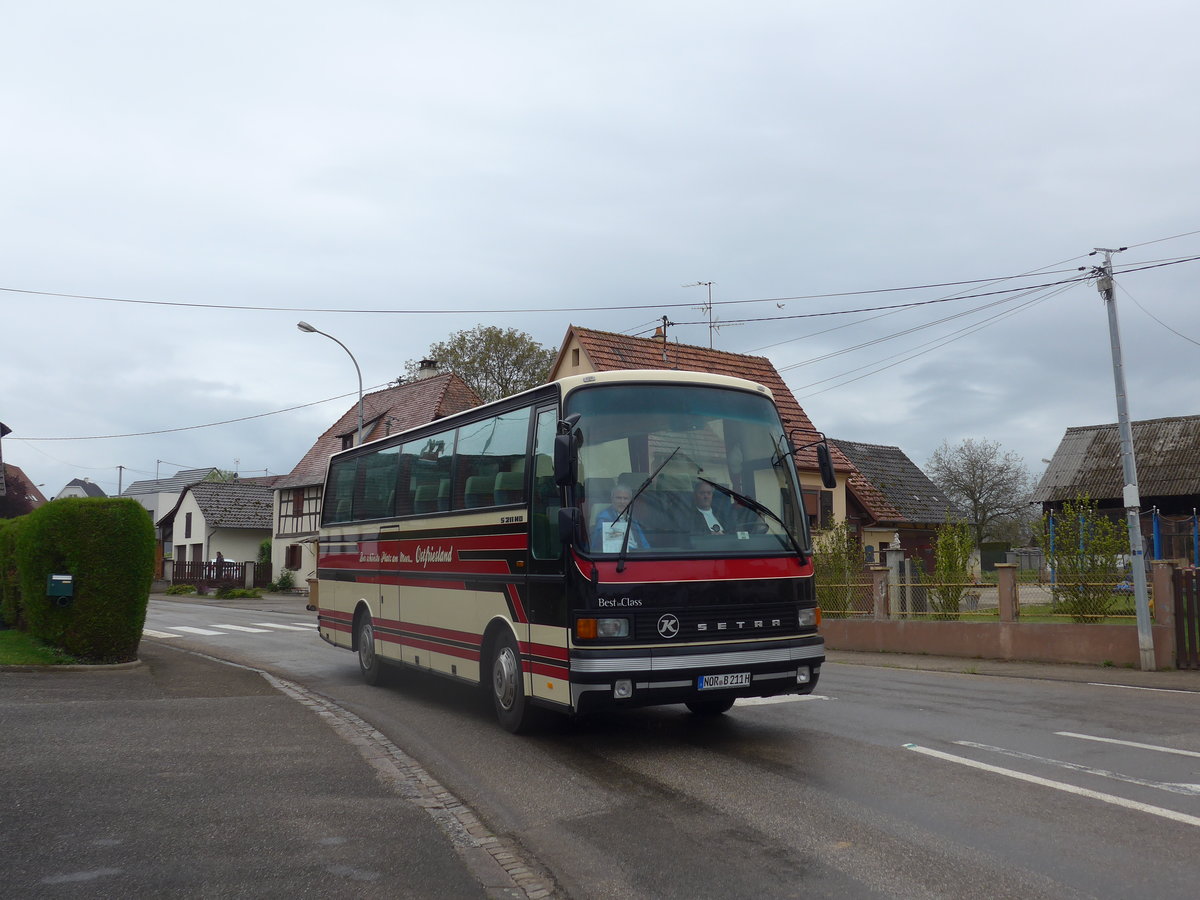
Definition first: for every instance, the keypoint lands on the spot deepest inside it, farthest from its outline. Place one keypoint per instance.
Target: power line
(104, 437)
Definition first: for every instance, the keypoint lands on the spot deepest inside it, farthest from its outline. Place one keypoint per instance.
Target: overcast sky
(393, 171)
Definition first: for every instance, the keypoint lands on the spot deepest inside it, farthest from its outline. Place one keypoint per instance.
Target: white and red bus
(496, 547)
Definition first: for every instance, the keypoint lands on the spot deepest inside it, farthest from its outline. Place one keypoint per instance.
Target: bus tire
(710, 707)
(508, 686)
(369, 663)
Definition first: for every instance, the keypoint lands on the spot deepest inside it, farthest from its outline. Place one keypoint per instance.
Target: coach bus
(607, 540)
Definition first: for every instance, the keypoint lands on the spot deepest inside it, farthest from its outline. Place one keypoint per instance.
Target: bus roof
(569, 383)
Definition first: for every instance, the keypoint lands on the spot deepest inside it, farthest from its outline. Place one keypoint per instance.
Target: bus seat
(510, 487)
(425, 499)
(597, 495)
(443, 495)
(478, 491)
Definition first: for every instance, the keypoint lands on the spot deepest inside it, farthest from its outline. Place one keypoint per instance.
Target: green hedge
(10, 585)
(107, 545)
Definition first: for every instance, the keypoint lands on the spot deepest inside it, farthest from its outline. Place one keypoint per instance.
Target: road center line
(1104, 740)
(1060, 786)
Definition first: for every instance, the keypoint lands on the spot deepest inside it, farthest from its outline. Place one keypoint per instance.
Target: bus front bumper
(648, 676)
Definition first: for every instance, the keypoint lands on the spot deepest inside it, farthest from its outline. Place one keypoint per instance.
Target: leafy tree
(951, 568)
(495, 362)
(993, 488)
(15, 501)
(1083, 548)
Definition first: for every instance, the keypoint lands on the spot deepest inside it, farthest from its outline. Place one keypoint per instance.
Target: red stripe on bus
(552, 671)
(665, 570)
(547, 650)
(336, 614)
(471, 653)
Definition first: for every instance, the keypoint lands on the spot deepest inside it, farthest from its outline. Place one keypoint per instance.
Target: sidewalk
(183, 776)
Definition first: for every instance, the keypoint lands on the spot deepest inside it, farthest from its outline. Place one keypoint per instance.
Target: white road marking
(1090, 737)
(190, 630)
(784, 698)
(1134, 687)
(242, 628)
(306, 624)
(148, 632)
(281, 627)
(1060, 786)
(1190, 790)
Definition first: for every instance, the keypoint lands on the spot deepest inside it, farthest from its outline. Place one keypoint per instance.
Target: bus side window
(339, 491)
(544, 540)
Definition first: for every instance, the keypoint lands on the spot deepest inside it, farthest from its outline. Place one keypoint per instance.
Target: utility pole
(1131, 497)
(120, 479)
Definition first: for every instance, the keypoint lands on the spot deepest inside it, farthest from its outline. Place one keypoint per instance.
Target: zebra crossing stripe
(242, 628)
(148, 632)
(190, 630)
(282, 627)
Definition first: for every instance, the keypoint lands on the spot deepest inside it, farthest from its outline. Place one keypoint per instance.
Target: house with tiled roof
(902, 501)
(227, 517)
(18, 484)
(1088, 462)
(587, 350)
(80, 487)
(297, 495)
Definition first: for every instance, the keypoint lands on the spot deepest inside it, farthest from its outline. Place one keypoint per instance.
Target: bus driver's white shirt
(710, 519)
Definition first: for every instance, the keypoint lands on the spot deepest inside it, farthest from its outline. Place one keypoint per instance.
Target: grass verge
(20, 649)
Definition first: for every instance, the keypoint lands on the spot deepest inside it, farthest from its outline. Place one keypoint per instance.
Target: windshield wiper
(757, 507)
(628, 510)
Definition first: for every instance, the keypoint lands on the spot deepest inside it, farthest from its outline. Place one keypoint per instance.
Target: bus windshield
(684, 468)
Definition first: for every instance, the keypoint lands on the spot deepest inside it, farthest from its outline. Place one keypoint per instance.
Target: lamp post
(304, 326)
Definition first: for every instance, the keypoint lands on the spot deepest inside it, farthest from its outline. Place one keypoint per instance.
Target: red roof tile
(384, 412)
(610, 352)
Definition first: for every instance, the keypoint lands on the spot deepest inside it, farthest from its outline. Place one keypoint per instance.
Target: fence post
(1006, 591)
(1162, 584)
(879, 590)
(169, 570)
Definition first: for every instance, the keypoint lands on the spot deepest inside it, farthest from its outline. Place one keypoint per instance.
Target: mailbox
(60, 589)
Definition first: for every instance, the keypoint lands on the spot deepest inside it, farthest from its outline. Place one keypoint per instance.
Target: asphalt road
(888, 782)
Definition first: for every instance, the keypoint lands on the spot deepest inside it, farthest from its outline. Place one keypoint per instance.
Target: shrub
(837, 567)
(11, 613)
(181, 589)
(107, 545)
(951, 569)
(238, 593)
(1083, 548)
(285, 582)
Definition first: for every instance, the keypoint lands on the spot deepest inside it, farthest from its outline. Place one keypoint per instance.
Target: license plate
(727, 680)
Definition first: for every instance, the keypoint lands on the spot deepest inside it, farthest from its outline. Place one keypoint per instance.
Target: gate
(1187, 619)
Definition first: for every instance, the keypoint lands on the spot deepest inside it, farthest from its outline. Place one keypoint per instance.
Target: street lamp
(304, 326)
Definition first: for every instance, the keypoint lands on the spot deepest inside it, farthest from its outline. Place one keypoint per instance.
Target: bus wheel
(508, 686)
(710, 707)
(369, 662)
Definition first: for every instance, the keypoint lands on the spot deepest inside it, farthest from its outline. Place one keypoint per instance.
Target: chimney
(427, 369)
(660, 335)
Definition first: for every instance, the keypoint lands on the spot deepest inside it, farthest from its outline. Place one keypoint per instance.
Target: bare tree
(495, 362)
(991, 486)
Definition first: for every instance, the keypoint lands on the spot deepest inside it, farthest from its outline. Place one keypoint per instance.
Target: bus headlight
(590, 629)
(809, 617)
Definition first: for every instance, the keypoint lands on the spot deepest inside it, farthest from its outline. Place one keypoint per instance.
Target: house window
(187, 525)
(347, 441)
(292, 557)
(826, 508)
(575, 357)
